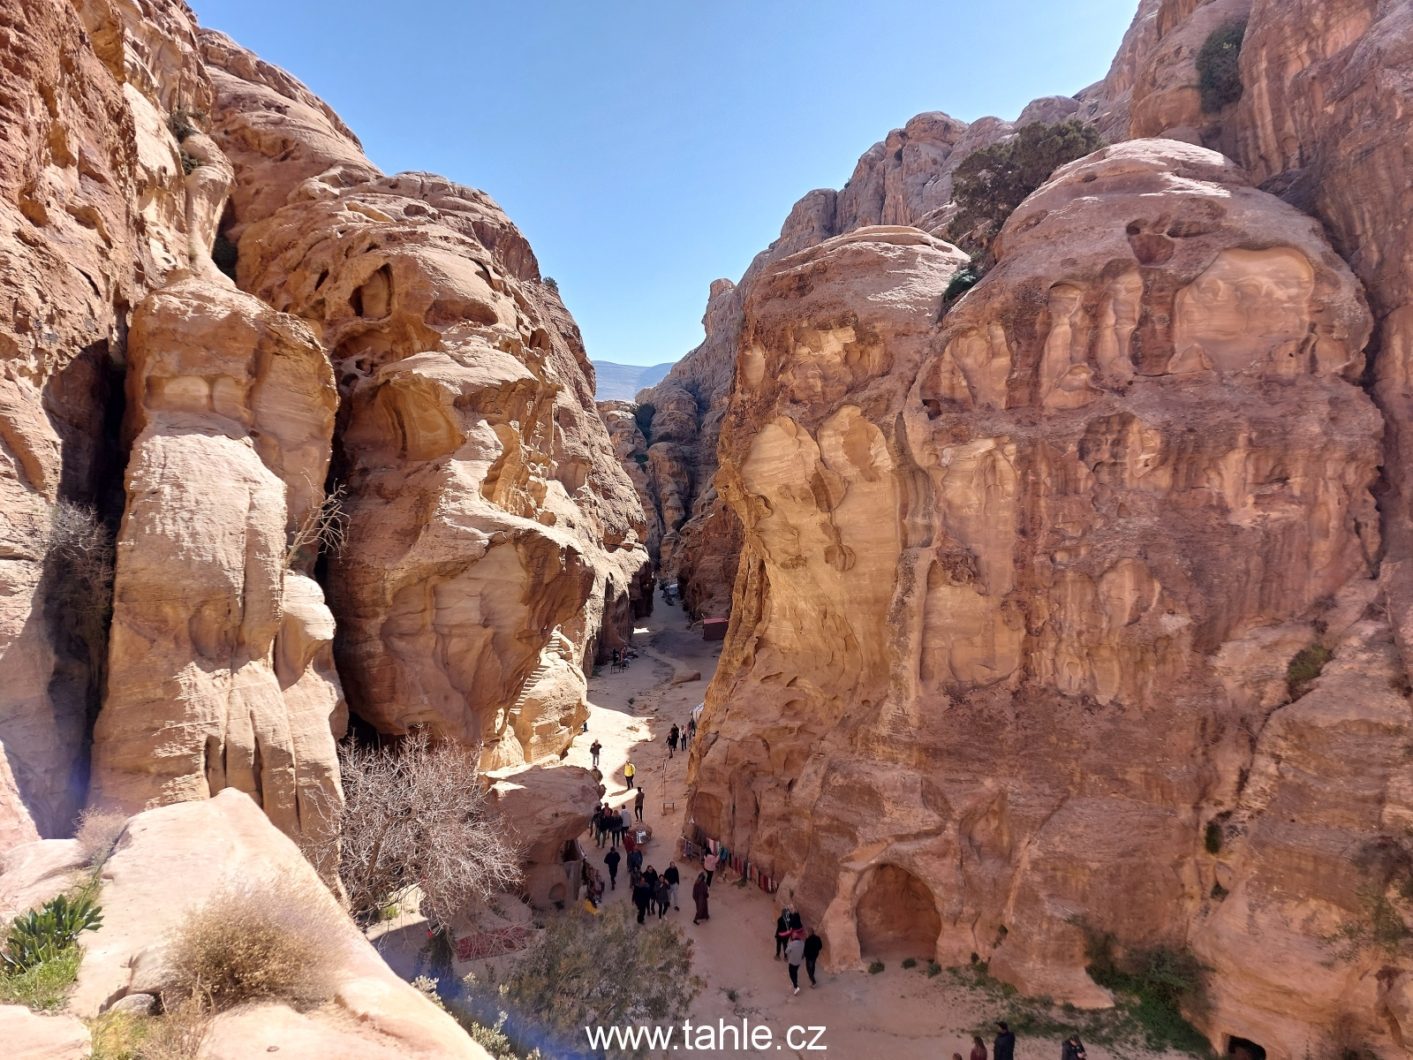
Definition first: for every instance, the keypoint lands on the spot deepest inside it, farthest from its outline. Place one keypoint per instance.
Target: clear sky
(647, 148)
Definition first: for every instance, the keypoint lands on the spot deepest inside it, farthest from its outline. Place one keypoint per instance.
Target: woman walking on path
(782, 931)
(709, 863)
(794, 957)
(628, 771)
(978, 1048)
(701, 891)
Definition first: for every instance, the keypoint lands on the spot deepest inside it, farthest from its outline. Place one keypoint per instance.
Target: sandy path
(900, 1013)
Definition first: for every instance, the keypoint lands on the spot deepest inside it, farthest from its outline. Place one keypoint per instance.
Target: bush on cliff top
(992, 182)
(1218, 67)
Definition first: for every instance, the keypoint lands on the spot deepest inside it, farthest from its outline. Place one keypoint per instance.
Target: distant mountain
(621, 382)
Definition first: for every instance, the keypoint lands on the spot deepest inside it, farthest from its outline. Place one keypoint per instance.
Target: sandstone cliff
(389, 341)
(1077, 683)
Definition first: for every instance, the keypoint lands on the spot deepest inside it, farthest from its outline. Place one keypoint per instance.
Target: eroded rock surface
(221, 670)
(1018, 590)
(494, 544)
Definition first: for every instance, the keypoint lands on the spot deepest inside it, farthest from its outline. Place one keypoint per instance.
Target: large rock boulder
(220, 671)
(168, 861)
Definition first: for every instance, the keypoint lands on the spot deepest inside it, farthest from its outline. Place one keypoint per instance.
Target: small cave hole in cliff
(896, 916)
(373, 300)
(1242, 1049)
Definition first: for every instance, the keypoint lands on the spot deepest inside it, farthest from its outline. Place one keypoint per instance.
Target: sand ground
(899, 1013)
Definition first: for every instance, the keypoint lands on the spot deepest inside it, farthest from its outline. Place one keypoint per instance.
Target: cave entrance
(1243, 1049)
(896, 916)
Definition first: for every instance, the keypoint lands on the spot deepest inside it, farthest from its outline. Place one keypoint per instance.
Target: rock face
(906, 179)
(221, 670)
(494, 547)
(1128, 478)
(493, 541)
(93, 207)
(168, 861)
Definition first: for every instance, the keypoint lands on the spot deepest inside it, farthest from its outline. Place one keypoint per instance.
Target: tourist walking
(663, 896)
(701, 892)
(709, 863)
(1004, 1048)
(978, 1048)
(594, 749)
(691, 729)
(642, 895)
(638, 801)
(671, 742)
(813, 945)
(782, 931)
(795, 956)
(674, 738)
(628, 772)
(635, 864)
(625, 823)
(611, 859)
(1073, 1049)
(673, 878)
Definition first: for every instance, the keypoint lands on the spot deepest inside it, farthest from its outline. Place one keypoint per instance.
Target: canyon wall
(255, 370)
(1126, 656)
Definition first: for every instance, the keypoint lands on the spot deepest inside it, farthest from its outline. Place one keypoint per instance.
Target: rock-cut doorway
(896, 916)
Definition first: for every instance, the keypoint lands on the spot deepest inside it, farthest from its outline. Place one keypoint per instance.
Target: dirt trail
(899, 1013)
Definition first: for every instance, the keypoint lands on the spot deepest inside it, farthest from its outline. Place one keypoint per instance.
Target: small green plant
(45, 986)
(190, 163)
(1307, 665)
(909, 962)
(48, 932)
(1156, 986)
(182, 122)
(933, 969)
(119, 1036)
(732, 996)
(1219, 67)
(961, 283)
(1212, 837)
(551, 283)
(875, 968)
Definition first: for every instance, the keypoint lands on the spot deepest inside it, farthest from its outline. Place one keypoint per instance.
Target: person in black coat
(642, 896)
(1004, 1047)
(782, 932)
(813, 945)
(1073, 1049)
(611, 859)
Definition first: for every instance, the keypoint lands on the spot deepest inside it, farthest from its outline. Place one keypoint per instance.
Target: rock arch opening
(1244, 1049)
(896, 916)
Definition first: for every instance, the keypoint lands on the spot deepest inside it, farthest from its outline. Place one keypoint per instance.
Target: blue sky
(648, 148)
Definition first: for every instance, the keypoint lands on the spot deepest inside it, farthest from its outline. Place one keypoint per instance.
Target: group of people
(616, 826)
(651, 890)
(796, 946)
(1004, 1047)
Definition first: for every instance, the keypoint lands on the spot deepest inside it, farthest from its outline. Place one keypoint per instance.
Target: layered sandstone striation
(1019, 589)
(494, 544)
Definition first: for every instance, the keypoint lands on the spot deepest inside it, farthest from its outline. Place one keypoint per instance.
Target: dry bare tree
(324, 528)
(417, 815)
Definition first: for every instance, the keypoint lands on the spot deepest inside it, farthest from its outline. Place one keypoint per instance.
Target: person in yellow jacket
(628, 772)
